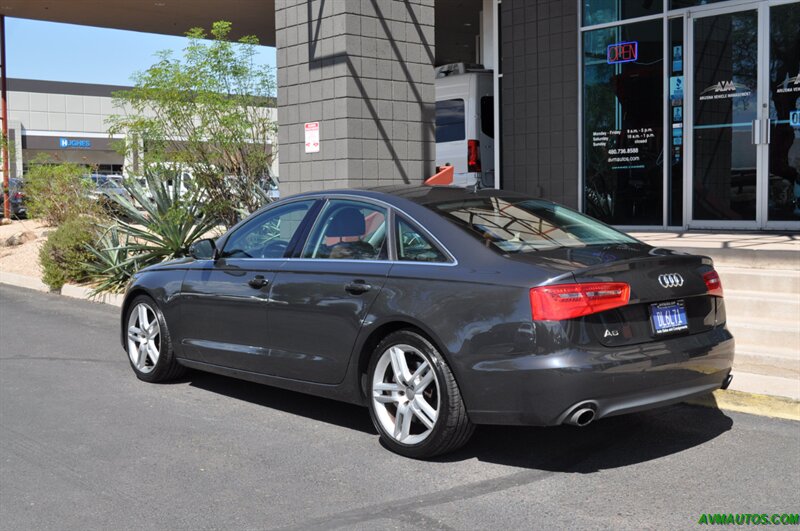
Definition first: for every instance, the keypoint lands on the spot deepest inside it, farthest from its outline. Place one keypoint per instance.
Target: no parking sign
(312, 137)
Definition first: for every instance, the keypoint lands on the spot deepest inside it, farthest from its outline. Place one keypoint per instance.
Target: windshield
(515, 225)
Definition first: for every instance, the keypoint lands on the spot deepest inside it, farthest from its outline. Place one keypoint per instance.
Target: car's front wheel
(148, 342)
(414, 400)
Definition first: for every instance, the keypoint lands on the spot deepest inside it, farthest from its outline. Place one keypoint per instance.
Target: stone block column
(363, 69)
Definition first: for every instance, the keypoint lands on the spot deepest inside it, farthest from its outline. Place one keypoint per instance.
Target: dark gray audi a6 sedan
(438, 308)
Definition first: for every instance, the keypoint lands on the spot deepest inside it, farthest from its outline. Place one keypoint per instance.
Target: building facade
(61, 122)
(53, 122)
(654, 114)
(665, 113)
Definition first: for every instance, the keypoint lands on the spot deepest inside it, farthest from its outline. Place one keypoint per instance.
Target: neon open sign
(622, 52)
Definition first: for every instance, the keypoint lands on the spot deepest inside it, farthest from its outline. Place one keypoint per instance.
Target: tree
(208, 114)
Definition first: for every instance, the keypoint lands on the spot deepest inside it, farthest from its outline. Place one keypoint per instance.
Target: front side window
(268, 234)
(348, 230)
(450, 121)
(413, 246)
(512, 225)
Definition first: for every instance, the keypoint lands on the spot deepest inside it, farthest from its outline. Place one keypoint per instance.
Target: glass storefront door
(744, 149)
(783, 196)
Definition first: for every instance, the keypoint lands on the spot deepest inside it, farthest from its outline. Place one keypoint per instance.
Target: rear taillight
(713, 283)
(473, 156)
(568, 301)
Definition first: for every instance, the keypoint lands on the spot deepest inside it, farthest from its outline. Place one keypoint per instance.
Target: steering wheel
(274, 249)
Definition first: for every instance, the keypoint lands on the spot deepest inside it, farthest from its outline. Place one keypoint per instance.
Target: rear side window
(348, 230)
(413, 246)
(487, 116)
(450, 120)
(518, 225)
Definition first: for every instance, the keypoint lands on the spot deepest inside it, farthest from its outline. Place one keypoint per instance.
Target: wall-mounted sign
(794, 118)
(312, 137)
(74, 143)
(622, 52)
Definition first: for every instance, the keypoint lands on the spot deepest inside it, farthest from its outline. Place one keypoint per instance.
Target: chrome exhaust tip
(727, 381)
(581, 416)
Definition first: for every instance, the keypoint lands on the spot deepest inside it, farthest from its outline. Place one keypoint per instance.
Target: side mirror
(204, 249)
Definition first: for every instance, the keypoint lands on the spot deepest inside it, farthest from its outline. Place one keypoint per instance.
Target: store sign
(312, 137)
(790, 84)
(74, 143)
(622, 52)
(725, 90)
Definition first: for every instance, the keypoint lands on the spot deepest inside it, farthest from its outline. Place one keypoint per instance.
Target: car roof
(422, 195)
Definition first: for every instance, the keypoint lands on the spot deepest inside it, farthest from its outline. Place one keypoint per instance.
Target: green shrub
(65, 254)
(112, 264)
(58, 192)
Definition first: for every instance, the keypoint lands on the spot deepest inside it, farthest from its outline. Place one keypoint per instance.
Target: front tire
(148, 343)
(414, 400)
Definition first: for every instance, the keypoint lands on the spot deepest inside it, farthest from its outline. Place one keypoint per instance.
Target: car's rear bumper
(540, 390)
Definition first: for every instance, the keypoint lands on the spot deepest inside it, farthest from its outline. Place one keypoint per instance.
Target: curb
(762, 405)
(742, 402)
(68, 290)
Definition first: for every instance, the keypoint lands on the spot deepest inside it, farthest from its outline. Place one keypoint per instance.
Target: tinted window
(623, 130)
(450, 120)
(267, 235)
(413, 246)
(487, 116)
(523, 225)
(601, 11)
(348, 230)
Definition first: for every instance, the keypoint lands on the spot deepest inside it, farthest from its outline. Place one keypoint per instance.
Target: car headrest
(346, 222)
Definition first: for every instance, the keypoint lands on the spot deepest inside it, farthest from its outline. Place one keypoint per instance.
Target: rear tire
(414, 401)
(148, 342)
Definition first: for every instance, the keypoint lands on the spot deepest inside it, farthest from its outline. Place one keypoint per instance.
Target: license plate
(668, 317)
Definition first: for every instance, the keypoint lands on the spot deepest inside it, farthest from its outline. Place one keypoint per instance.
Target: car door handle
(258, 282)
(357, 287)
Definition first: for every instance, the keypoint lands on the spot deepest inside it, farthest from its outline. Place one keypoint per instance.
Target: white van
(465, 123)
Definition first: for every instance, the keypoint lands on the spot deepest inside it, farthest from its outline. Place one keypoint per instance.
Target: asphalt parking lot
(85, 445)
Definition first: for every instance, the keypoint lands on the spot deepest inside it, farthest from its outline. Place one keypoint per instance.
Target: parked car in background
(16, 197)
(104, 188)
(465, 123)
(437, 308)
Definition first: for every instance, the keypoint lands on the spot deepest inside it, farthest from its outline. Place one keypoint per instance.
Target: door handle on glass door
(755, 132)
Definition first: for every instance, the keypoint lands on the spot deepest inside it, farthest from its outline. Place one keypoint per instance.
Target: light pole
(4, 97)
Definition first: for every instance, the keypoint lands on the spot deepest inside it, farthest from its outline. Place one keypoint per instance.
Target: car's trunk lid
(673, 282)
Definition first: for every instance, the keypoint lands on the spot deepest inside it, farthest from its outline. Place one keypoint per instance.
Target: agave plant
(162, 219)
(112, 263)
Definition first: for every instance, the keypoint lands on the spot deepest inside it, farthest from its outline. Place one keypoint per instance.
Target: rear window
(513, 225)
(450, 120)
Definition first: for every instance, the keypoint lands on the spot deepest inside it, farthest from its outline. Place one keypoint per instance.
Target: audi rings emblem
(670, 280)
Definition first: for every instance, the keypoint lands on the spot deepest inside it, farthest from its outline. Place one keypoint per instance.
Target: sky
(83, 54)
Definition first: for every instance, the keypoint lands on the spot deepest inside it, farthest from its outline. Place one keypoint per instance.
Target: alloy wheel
(144, 337)
(405, 394)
